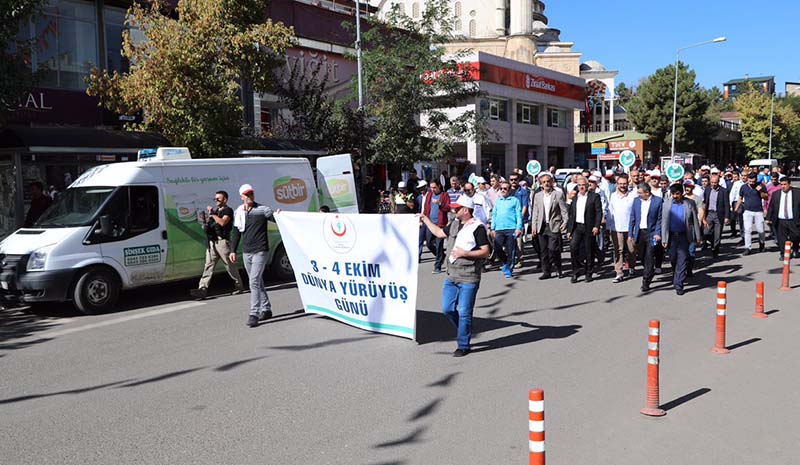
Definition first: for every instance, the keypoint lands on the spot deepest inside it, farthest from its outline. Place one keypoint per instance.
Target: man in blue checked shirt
(506, 227)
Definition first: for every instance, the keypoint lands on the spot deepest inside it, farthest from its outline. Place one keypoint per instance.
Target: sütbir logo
(339, 233)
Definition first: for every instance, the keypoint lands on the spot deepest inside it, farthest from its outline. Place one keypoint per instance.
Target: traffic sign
(534, 167)
(627, 158)
(674, 171)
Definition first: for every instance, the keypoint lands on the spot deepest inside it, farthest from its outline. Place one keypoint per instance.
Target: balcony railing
(731, 126)
(600, 127)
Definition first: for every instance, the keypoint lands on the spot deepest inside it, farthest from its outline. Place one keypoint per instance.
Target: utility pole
(771, 113)
(362, 154)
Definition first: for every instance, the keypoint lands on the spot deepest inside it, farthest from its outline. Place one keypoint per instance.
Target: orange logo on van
(289, 190)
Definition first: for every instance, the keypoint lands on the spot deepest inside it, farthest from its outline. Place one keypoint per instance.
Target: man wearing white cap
(403, 200)
(250, 226)
(655, 184)
(467, 248)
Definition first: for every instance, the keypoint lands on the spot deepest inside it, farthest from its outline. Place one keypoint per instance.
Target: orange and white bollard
(787, 254)
(536, 426)
(651, 404)
(722, 302)
(759, 313)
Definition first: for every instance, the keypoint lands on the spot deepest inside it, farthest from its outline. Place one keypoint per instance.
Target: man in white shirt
(736, 217)
(784, 214)
(618, 222)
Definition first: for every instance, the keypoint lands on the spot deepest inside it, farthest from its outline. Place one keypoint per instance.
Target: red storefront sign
(477, 71)
(512, 78)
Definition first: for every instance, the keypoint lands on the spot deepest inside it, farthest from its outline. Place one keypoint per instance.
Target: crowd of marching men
(640, 217)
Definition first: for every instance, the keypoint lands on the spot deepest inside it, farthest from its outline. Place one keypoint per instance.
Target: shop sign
(512, 78)
(598, 148)
(56, 106)
(619, 146)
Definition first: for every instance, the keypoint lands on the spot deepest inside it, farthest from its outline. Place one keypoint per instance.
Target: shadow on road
(446, 381)
(321, 344)
(743, 343)
(426, 410)
(411, 438)
(685, 398)
(537, 333)
(61, 393)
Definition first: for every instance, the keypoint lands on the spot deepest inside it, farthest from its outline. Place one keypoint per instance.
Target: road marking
(100, 324)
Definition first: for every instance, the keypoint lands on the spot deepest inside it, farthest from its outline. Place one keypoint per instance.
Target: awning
(76, 140)
(618, 136)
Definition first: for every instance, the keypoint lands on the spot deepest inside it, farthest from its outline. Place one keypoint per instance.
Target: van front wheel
(96, 291)
(281, 266)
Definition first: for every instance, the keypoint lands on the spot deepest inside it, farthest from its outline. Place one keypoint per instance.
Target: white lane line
(100, 324)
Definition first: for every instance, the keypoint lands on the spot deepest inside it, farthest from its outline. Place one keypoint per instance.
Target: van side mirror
(106, 225)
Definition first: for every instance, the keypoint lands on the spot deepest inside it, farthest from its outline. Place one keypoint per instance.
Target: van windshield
(74, 207)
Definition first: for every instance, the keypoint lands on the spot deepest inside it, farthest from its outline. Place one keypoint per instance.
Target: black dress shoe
(645, 287)
(761, 246)
(561, 275)
(573, 279)
(680, 291)
(252, 321)
(460, 352)
(264, 316)
(589, 278)
(747, 252)
(545, 276)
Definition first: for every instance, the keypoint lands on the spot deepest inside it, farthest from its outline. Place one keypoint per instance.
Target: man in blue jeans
(506, 227)
(467, 248)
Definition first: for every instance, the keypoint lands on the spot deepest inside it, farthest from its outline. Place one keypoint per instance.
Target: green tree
(650, 110)
(412, 83)
(16, 75)
(186, 76)
(754, 110)
(316, 114)
(623, 94)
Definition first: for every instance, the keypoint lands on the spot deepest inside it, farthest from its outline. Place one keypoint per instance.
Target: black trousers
(645, 250)
(715, 229)
(550, 249)
(582, 249)
(788, 230)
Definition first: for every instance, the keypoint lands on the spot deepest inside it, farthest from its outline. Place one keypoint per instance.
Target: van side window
(133, 211)
(144, 209)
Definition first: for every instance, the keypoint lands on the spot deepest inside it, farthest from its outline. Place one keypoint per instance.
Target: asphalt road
(166, 380)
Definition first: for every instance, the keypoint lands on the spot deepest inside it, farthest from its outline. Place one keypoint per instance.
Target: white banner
(358, 269)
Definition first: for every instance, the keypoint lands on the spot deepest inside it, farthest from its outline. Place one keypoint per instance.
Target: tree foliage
(650, 110)
(316, 113)
(186, 75)
(16, 75)
(413, 85)
(754, 110)
(623, 94)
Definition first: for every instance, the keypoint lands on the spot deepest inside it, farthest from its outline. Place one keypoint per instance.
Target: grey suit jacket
(689, 217)
(558, 212)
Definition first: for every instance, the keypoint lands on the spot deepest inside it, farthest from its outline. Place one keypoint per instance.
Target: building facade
(734, 87)
(530, 113)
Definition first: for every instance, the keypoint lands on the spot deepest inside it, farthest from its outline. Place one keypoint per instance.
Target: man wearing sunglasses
(218, 227)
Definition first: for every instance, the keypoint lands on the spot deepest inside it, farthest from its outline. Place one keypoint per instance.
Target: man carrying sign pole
(467, 247)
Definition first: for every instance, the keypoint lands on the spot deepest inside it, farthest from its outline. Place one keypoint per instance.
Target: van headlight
(39, 257)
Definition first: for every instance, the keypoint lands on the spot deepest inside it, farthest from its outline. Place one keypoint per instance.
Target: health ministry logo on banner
(339, 233)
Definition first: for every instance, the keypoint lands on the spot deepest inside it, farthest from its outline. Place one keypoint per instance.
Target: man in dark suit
(585, 216)
(679, 226)
(645, 230)
(549, 218)
(784, 213)
(717, 212)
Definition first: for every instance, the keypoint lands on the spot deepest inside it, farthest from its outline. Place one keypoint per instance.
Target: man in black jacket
(583, 225)
(250, 226)
(784, 214)
(717, 212)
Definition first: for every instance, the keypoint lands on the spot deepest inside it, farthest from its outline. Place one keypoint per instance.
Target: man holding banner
(467, 246)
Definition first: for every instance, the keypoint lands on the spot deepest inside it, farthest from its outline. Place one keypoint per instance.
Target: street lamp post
(675, 97)
(771, 112)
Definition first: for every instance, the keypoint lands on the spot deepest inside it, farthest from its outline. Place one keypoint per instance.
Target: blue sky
(636, 37)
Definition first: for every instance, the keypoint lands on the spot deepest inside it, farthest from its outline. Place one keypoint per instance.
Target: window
(133, 211)
(458, 9)
(527, 113)
(114, 19)
(415, 10)
(64, 42)
(473, 28)
(457, 26)
(496, 109)
(556, 118)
